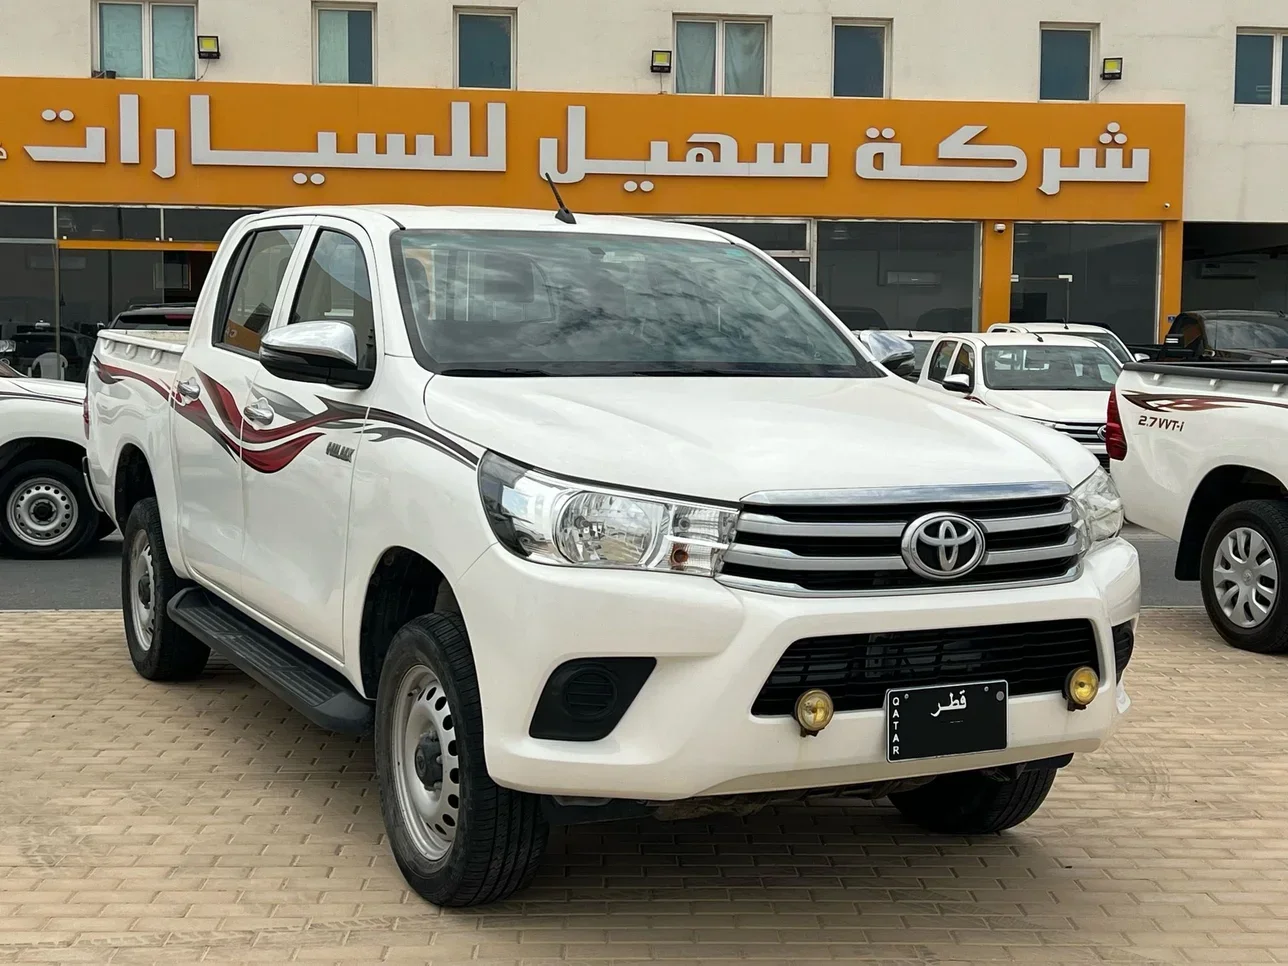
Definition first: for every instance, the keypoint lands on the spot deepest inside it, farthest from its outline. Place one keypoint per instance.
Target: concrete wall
(1175, 50)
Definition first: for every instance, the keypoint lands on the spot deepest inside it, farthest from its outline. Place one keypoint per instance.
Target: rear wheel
(1244, 557)
(975, 803)
(160, 649)
(458, 837)
(45, 510)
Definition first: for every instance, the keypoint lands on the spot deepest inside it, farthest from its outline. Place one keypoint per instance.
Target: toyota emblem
(942, 546)
(1102, 432)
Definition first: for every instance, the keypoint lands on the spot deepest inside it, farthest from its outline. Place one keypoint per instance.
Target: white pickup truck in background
(46, 508)
(590, 517)
(1200, 455)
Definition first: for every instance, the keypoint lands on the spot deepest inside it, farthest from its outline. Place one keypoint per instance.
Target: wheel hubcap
(41, 511)
(426, 766)
(143, 589)
(1245, 577)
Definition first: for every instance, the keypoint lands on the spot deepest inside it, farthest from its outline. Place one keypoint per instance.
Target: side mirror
(958, 382)
(324, 352)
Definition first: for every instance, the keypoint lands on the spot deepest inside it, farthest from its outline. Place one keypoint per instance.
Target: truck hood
(1053, 405)
(725, 438)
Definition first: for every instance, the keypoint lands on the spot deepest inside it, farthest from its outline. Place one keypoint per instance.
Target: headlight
(554, 521)
(1098, 509)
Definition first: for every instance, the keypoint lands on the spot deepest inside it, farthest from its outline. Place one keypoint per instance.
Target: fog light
(1081, 688)
(814, 711)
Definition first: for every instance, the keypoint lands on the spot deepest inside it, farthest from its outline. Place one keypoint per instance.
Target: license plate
(942, 720)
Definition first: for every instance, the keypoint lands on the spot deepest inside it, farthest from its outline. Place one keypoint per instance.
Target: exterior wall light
(1111, 68)
(661, 62)
(208, 47)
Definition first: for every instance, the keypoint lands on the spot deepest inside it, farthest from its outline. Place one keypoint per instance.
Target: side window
(939, 363)
(336, 287)
(965, 363)
(246, 308)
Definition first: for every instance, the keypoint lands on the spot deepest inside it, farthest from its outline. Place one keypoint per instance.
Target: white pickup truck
(1200, 454)
(589, 517)
(46, 508)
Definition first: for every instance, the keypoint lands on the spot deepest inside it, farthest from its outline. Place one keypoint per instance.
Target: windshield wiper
(504, 371)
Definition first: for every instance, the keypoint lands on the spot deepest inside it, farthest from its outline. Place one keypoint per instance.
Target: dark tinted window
(336, 287)
(96, 222)
(26, 221)
(1066, 65)
(785, 236)
(1254, 57)
(939, 364)
(1235, 333)
(483, 50)
(248, 307)
(858, 68)
(201, 224)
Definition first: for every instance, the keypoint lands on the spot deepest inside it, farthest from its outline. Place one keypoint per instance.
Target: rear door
(297, 470)
(213, 386)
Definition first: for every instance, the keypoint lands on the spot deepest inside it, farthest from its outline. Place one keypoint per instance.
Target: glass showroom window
(1104, 274)
(900, 274)
(345, 45)
(157, 40)
(485, 49)
(721, 56)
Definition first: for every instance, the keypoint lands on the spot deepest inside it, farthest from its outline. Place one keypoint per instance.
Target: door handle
(259, 412)
(188, 388)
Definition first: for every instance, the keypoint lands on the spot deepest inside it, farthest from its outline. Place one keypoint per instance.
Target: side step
(317, 691)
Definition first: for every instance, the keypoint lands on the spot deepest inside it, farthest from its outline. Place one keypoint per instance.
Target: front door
(213, 385)
(300, 452)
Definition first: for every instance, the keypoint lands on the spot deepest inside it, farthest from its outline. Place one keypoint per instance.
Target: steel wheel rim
(142, 590)
(426, 762)
(1245, 577)
(42, 511)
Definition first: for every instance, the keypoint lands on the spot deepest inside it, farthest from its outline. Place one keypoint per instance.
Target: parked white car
(1200, 453)
(1096, 333)
(46, 508)
(1060, 381)
(592, 517)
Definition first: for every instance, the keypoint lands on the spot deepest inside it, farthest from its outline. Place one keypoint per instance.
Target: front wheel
(458, 837)
(975, 803)
(45, 511)
(1243, 555)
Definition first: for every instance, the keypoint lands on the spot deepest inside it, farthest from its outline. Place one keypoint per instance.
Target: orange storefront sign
(190, 143)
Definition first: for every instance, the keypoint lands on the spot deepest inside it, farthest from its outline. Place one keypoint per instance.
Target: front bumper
(690, 732)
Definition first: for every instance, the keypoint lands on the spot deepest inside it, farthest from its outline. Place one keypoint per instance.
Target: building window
(900, 274)
(1066, 64)
(485, 49)
(859, 60)
(1259, 76)
(721, 56)
(345, 45)
(148, 40)
(1102, 273)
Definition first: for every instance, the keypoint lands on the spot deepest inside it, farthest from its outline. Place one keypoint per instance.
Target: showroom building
(944, 168)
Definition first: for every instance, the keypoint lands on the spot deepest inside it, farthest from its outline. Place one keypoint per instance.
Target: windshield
(537, 303)
(1110, 342)
(1247, 333)
(1049, 367)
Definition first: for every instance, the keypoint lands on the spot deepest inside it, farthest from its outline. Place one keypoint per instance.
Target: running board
(317, 691)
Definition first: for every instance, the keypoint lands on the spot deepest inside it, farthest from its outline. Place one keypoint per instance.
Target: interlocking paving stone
(206, 822)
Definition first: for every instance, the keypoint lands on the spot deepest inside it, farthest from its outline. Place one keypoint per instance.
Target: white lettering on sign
(962, 157)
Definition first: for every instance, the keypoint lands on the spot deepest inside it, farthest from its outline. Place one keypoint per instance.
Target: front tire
(973, 803)
(1243, 556)
(45, 511)
(160, 649)
(458, 837)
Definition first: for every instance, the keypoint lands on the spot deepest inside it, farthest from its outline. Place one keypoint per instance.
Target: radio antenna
(563, 214)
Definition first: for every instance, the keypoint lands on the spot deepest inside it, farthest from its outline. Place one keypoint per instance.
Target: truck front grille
(858, 669)
(849, 544)
(1088, 433)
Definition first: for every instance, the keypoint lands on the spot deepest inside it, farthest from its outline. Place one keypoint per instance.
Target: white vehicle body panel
(287, 520)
